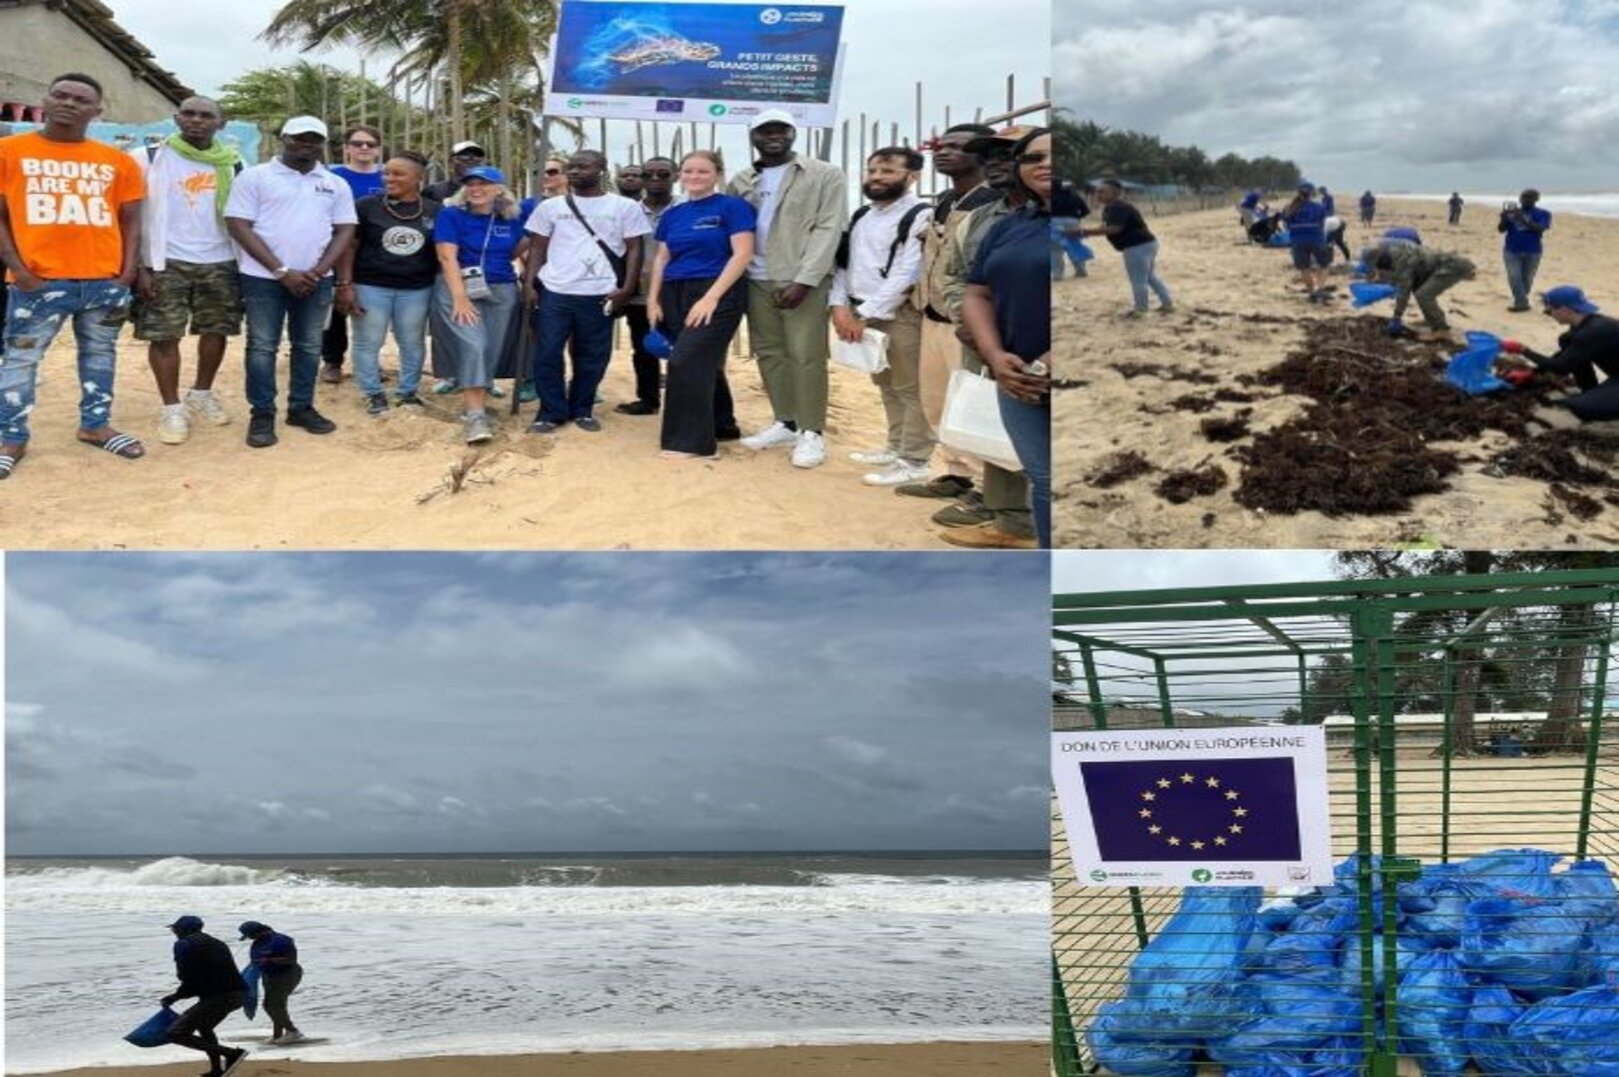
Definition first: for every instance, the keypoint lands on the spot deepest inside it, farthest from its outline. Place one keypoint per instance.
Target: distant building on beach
(40, 39)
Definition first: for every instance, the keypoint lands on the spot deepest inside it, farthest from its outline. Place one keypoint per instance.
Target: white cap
(462, 146)
(773, 115)
(304, 125)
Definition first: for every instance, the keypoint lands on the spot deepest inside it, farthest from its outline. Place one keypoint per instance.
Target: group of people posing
(181, 239)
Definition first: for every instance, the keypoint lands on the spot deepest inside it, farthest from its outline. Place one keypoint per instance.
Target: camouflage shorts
(208, 296)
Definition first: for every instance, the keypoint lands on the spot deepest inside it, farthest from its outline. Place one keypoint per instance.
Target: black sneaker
(311, 420)
(376, 404)
(729, 433)
(637, 407)
(409, 400)
(261, 432)
(588, 423)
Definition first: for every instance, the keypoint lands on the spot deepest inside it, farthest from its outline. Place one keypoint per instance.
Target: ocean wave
(169, 871)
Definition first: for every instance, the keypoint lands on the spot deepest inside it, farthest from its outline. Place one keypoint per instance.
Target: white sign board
(1196, 807)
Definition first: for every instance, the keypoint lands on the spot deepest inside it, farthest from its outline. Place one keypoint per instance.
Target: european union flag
(1207, 810)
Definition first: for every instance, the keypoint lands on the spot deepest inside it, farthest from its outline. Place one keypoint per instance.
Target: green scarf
(224, 159)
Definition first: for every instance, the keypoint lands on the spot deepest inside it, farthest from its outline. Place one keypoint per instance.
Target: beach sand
(383, 483)
(876, 1060)
(1240, 312)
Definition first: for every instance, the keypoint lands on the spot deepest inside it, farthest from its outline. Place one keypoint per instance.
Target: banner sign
(1196, 807)
(709, 62)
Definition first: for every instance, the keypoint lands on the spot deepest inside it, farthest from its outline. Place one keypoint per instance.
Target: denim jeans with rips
(98, 310)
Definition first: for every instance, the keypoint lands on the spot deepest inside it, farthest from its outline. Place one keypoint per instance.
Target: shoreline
(946, 1058)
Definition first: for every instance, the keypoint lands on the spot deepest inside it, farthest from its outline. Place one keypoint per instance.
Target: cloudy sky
(961, 50)
(547, 702)
(1415, 95)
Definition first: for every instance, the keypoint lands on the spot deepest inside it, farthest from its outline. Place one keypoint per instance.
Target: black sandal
(125, 446)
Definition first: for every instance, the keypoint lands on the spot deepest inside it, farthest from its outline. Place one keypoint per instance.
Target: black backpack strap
(842, 259)
(151, 152)
(902, 235)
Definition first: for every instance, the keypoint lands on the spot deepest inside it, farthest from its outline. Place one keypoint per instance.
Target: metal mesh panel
(1465, 716)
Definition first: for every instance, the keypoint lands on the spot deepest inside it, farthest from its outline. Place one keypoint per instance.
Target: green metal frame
(1253, 648)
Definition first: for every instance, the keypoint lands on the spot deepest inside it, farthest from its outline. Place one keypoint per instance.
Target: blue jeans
(269, 306)
(98, 309)
(579, 319)
(1139, 264)
(1521, 275)
(406, 310)
(1029, 427)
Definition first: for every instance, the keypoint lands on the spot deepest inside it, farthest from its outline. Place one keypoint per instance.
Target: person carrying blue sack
(1522, 226)
(1590, 343)
(1307, 237)
(276, 957)
(207, 972)
(1420, 272)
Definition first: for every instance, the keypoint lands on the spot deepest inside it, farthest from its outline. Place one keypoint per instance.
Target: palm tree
(474, 41)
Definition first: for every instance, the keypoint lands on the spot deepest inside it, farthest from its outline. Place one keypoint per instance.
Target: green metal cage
(1464, 715)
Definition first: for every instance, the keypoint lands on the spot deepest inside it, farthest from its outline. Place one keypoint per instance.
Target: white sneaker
(289, 1037)
(896, 474)
(875, 457)
(173, 428)
(206, 406)
(809, 449)
(777, 433)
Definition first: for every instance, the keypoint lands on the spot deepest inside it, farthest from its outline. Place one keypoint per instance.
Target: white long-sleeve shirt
(869, 242)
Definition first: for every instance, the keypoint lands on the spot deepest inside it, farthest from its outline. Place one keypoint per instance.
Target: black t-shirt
(1594, 341)
(395, 245)
(205, 967)
(1124, 215)
(1066, 201)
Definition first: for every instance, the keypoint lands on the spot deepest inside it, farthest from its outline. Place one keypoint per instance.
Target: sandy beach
(385, 483)
(874, 1060)
(1240, 314)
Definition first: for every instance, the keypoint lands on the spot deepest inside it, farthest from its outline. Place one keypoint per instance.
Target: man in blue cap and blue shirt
(1591, 343)
(1307, 236)
(1522, 226)
(276, 957)
(207, 972)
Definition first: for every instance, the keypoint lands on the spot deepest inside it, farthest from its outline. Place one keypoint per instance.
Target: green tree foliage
(1086, 150)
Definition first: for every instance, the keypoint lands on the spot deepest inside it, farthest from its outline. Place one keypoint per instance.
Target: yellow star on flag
(1188, 778)
(1145, 813)
(1173, 840)
(1212, 783)
(1234, 828)
(1239, 812)
(1155, 829)
(1231, 794)
(1164, 783)
(1197, 845)
(1219, 841)
(1149, 796)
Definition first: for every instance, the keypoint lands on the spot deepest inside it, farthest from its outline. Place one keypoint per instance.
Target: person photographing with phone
(1522, 226)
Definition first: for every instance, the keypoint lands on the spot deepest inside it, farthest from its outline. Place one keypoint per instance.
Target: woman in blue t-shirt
(697, 296)
(1007, 308)
(476, 296)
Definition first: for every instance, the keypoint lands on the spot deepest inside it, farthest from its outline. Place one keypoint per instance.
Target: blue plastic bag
(250, 983)
(1302, 1016)
(1525, 945)
(1185, 978)
(1137, 1052)
(1473, 371)
(1433, 1003)
(154, 1031)
(1072, 245)
(1572, 1036)
(1280, 238)
(1487, 1037)
(1364, 293)
(657, 345)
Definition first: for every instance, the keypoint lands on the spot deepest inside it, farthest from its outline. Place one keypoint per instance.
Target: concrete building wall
(37, 44)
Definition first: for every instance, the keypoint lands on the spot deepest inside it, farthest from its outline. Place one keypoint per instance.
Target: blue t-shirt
(1014, 260)
(471, 231)
(361, 183)
(1524, 240)
(1307, 226)
(274, 944)
(699, 233)
(1330, 204)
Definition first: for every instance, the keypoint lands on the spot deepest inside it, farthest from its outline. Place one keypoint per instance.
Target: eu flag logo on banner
(1209, 810)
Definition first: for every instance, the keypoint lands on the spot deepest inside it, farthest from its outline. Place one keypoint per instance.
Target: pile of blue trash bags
(1503, 961)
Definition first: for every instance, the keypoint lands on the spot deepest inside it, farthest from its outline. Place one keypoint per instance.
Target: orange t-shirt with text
(62, 201)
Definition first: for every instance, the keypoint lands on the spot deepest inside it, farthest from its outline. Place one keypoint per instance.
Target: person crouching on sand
(1420, 272)
(1127, 231)
(1591, 343)
(276, 957)
(207, 972)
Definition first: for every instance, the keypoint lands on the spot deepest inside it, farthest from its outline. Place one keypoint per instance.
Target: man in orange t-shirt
(69, 236)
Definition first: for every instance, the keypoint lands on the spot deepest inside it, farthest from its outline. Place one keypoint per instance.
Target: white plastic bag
(869, 355)
(972, 420)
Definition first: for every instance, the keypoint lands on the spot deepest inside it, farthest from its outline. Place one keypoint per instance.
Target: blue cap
(487, 173)
(188, 923)
(1567, 295)
(657, 345)
(1306, 185)
(250, 928)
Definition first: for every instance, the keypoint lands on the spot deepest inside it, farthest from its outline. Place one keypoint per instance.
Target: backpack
(900, 236)
(151, 155)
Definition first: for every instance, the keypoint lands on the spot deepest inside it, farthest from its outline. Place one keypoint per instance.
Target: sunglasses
(553, 172)
(364, 145)
(467, 156)
(1032, 158)
(662, 173)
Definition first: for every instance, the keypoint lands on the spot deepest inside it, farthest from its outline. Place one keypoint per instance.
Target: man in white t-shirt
(187, 276)
(582, 253)
(291, 220)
